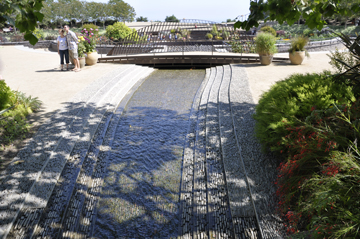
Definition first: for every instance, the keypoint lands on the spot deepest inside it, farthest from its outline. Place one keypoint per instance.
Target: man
(72, 42)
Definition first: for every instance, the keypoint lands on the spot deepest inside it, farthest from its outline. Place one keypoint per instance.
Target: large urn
(92, 58)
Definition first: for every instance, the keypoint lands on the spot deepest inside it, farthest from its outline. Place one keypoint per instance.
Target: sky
(212, 10)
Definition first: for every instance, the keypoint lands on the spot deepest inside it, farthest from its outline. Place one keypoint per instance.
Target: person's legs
(71, 56)
(77, 65)
(67, 59)
(62, 58)
(76, 61)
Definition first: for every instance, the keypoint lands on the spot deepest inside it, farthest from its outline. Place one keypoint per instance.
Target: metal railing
(184, 36)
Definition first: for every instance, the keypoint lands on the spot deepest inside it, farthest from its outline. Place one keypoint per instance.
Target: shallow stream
(140, 194)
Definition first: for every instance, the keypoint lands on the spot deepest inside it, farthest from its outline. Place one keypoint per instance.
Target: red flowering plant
(318, 185)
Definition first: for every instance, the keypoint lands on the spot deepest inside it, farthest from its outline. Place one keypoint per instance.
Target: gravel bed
(260, 167)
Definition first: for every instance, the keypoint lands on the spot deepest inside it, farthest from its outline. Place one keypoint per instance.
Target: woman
(63, 49)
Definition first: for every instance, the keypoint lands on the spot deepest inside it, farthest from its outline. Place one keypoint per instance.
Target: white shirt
(62, 43)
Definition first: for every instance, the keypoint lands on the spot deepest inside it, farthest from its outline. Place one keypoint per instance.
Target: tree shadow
(19, 198)
(140, 194)
(261, 169)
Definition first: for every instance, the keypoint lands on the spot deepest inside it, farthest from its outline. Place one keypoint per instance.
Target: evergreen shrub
(268, 29)
(118, 31)
(293, 99)
(5, 95)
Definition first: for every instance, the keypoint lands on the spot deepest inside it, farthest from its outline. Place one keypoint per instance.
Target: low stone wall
(100, 49)
(324, 45)
(39, 44)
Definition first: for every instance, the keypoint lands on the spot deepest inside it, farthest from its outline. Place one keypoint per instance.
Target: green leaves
(31, 38)
(25, 15)
(312, 12)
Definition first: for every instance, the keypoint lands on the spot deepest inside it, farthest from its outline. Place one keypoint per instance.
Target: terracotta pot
(82, 62)
(297, 57)
(265, 59)
(92, 58)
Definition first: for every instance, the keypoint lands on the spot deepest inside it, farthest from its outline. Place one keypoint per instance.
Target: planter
(266, 59)
(82, 62)
(297, 57)
(92, 58)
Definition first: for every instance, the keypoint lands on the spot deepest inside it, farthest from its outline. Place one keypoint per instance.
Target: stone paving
(108, 165)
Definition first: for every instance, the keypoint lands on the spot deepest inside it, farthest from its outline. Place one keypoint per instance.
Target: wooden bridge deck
(193, 59)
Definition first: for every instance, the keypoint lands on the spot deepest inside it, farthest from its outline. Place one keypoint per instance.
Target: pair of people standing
(68, 45)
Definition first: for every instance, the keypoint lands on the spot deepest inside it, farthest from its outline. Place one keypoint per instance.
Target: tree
(104, 12)
(122, 11)
(171, 19)
(24, 15)
(92, 9)
(312, 11)
(347, 4)
(142, 19)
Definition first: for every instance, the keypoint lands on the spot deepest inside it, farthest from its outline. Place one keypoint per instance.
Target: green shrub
(318, 185)
(5, 95)
(226, 34)
(90, 28)
(351, 30)
(209, 36)
(214, 31)
(29, 103)
(292, 99)
(12, 128)
(344, 56)
(308, 32)
(118, 31)
(13, 122)
(268, 29)
(265, 44)
(39, 33)
(351, 74)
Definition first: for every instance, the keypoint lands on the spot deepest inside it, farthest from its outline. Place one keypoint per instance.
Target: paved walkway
(37, 73)
(54, 184)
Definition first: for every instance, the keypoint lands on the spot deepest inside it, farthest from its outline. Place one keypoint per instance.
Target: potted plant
(265, 47)
(90, 35)
(81, 51)
(297, 51)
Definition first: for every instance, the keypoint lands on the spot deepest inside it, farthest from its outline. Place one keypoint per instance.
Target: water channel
(140, 193)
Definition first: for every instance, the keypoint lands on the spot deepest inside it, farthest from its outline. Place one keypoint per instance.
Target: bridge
(190, 42)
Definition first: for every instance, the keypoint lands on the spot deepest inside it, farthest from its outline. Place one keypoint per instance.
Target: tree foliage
(171, 19)
(121, 10)
(24, 15)
(141, 19)
(314, 12)
(118, 31)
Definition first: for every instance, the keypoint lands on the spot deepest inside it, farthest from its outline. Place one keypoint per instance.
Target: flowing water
(140, 194)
